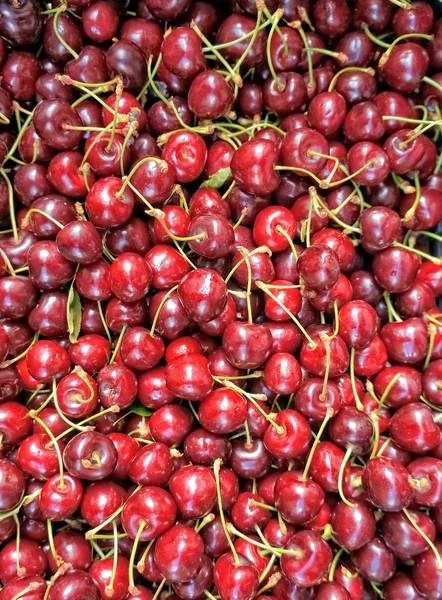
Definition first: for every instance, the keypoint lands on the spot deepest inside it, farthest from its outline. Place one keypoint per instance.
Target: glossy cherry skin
(210, 96)
(18, 297)
(23, 24)
(380, 226)
(74, 582)
(71, 547)
(406, 65)
(395, 269)
(406, 389)
(48, 268)
(253, 167)
(392, 496)
(186, 152)
(407, 341)
(192, 500)
(358, 323)
(285, 95)
(79, 242)
(352, 427)
(297, 500)
(235, 580)
(59, 501)
(152, 465)
(314, 358)
(222, 411)
(375, 561)
(125, 59)
(100, 500)
(246, 345)
(13, 484)
(353, 526)
(250, 461)
(179, 553)
(297, 146)
(326, 112)
(152, 505)
(37, 457)
(50, 117)
(413, 428)
(101, 573)
(30, 558)
(64, 175)
(293, 440)
(401, 584)
(318, 267)
(170, 425)
(90, 455)
(426, 574)
(265, 228)
(188, 376)
(427, 471)
(203, 294)
(310, 567)
(46, 360)
(400, 536)
(369, 157)
(106, 209)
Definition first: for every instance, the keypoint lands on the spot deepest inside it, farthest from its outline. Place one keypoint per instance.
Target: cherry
(151, 506)
(405, 67)
(302, 149)
(402, 538)
(105, 154)
(210, 96)
(47, 360)
(20, 560)
(53, 120)
(253, 167)
(234, 27)
(380, 227)
(106, 205)
(179, 553)
(18, 297)
(406, 341)
(250, 460)
(311, 564)
(403, 585)
(13, 484)
(273, 226)
(79, 242)
(357, 323)
(60, 498)
(203, 294)
(235, 575)
(69, 30)
(102, 571)
(126, 60)
(100, 21)
(64, 174)
(395, 268)
(147, 35)
(353, 526)
(426, 575)
(326, 112)
(318, 267)
(247, 346)
(426, 471)
(170, 425)
(74, 582)
(71, 548)
(316, 358)
(222, 411)
(393, 497)
(90, 455)
(284, 95)
(23, 24)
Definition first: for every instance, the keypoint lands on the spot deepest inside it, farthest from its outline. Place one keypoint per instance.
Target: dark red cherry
(392, 496)
(90, 455)
(247, 346)
(253, 167)
(311, 564)
(405, 67)
(395, 269)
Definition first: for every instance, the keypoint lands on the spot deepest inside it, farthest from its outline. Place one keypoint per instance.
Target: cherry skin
(395, 269)
(101, 573)
(104, 207)
(318, 267)
(75, 582)
(301, 148)
(312, 564)
(50, 120)
(282, 374)
(353, 526)
(170, 425)
(402, 538)
(13, 484)
(247, 346)
(46, 360)
(233, 578)
(179, 553)
(253, 167)
(23, 560)
(357, 323)
(90, 455)
(60, 499)
(326, 112)
(405, 66)
(222, 411)
(152, 502)
(397, 495)
(266, 228)
(407, 341)
(203, 294)
(210, 96)
(292, 440)
(186, 152)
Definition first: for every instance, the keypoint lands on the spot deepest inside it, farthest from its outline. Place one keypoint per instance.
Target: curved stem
(327, 418)
(331, 574)
(436, 261)
(164, 167)
(58, 34)
(341, 476)
(132, 588)
(354, 388)
(346, 70)
(216, 468)
(374, 39)
(54, 443)
(118, 344)
(426, 538)
(157, 314)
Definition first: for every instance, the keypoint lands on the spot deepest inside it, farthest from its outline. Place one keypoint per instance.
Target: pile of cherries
(220, 346)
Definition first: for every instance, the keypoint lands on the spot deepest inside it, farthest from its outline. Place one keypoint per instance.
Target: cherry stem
(326, 341)
(132, 588)
(216, 469)
(273, 579)
(141, 563)
(387, 390)
(277, 16)
(7, 262)
(263, 505)
(32, 587)
(262, 286)
(384, 445)
(131, 130)
(10, 362)
(95, 141)
(433, 319)
(65, 45)
(436, 261)
(374, 418)
(164, 167)
(311, 78)
(249, 47)
(307, 224)
(374, 39)
(103, 321)
(387, 53)
(283, 232)
(341, 475)
(346, 70)
(246, 255)
(331, 215)
(432, 406)
(253, 398)
(336, 313)
(66, 80)
(21, 572)
(11, 204)
(328, 416)
(354, 388)
(161, 216)
(90, 534)
(51, 542)
(162, 303)
(331, 573)
(60, 412)
(425, 537)
(259, 250)
(49, 433)
(432, 332)
(233, 75)
(392, 314)
(118, 344)
(298, 170)
(45, 215)
(242, 216)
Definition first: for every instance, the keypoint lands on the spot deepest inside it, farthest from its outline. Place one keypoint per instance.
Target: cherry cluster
(220, 347)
